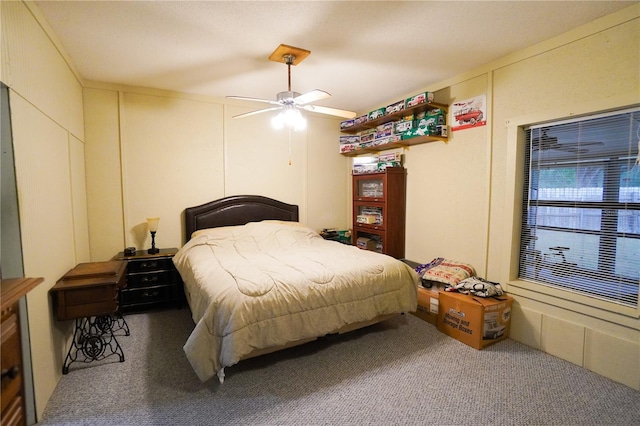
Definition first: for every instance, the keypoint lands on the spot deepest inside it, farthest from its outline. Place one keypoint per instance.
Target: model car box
(347, 123)
(419, 131)
(361, 120)
(369, 219)
(366, 243)
(394, 107)
(387, 139)
(350, 139)
(420, 98)
(367, 135)
(384, 130)
(377, 113)
(366, 164)
(390, 156)
(403, 125)
(475, 321)
(347, 147)
(437, 115)
(382, 166)
(364, 168)
(428, 303)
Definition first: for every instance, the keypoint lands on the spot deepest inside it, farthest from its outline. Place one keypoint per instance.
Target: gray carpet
(401, 372)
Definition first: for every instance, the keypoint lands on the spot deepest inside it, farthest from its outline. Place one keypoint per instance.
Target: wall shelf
(418, 140)
(394, 117)
(400, 144)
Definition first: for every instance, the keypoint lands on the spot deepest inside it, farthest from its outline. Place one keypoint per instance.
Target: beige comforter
(269, 283)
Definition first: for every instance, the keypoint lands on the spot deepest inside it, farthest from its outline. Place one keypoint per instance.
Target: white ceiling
(366, 54)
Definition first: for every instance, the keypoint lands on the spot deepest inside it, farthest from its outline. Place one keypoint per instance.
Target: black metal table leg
(93, 340)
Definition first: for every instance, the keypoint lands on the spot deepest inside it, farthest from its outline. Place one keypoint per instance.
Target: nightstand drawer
(152, 281)
(155, 294)
(146, 279)
(154, 264)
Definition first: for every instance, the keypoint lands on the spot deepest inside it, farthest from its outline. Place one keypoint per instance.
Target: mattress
(266, 284)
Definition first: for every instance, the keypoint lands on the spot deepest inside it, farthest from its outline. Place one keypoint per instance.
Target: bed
(257, 280)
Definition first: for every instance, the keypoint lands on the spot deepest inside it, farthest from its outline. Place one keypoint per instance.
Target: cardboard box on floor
(475, 321)
(428, 305)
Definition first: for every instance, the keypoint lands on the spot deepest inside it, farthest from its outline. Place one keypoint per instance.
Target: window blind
(581, 212)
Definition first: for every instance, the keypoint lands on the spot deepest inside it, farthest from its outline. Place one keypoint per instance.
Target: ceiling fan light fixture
(291, 102)
(290, 117)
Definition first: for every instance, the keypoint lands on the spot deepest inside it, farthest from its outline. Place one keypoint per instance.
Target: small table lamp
(152, 222)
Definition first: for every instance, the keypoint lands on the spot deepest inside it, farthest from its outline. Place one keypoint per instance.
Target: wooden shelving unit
(389, 200)
(418, 140)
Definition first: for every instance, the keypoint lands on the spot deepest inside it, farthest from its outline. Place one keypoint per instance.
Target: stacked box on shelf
(376, 163)
(395, 107)
(344, 148)
(365, 164)
(366, 243)
(389, 159)
(432, 123)
(376, 113)
(346, 124)
(418, 99)
(361, 120)
(406, 119)
(385, 140)
(372, 189)
(390, 156)
(402, 126)
(370, 215)
(384, 130)
(366, 137)
(349, 143)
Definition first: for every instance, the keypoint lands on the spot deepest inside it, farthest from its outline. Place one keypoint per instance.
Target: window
(581, 213)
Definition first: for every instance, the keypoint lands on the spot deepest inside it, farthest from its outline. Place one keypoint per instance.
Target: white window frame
(514, 186)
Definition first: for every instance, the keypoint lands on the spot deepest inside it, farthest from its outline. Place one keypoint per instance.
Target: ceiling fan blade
(312, 96)
(330, 111)
(243, 98)
(259, 111)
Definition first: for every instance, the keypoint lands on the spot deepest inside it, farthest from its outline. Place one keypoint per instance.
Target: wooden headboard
(237, 210)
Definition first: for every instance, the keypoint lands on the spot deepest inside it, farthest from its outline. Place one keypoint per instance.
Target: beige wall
(152, 153)
(448, 188)
(48, 135)
(155, 153)
(462, 197)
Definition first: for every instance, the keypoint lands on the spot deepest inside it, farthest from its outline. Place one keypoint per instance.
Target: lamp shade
(290, 117)
(152, 222)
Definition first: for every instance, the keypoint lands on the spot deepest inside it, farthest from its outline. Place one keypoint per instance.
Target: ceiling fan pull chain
(289, 144)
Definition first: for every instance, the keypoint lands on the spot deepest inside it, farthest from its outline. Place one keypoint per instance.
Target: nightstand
(152, 281)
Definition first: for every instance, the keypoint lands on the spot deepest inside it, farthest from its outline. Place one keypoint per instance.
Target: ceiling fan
(544, 142)
(291, 102)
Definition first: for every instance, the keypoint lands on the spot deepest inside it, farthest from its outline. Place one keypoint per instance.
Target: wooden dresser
(13, 408)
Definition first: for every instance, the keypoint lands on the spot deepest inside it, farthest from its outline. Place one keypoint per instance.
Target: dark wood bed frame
(237, 210)
(240, 210)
